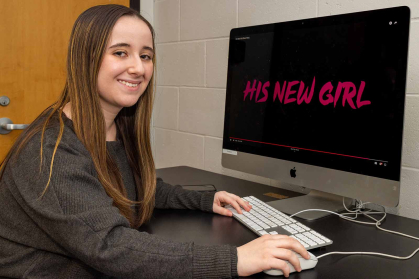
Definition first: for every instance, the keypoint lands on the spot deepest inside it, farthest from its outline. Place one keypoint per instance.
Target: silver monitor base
(313, 200)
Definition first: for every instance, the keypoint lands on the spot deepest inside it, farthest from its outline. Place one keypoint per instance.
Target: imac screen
(328, 92)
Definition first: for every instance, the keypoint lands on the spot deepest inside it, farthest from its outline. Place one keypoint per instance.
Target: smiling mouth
(132, 85)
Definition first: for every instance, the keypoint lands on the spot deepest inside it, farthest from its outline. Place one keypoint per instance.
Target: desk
(207, 229)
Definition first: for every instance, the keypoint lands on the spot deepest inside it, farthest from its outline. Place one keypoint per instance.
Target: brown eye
(146, 57)
(120, 54)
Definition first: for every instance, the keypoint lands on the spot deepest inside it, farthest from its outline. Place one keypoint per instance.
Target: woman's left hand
(223, 198)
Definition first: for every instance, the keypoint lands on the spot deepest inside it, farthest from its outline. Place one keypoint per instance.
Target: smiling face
(127, 65)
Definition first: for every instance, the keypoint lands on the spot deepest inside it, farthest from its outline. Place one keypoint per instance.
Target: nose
(136, 67)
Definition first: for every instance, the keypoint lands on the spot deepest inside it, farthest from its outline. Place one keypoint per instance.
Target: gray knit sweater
(74, 231)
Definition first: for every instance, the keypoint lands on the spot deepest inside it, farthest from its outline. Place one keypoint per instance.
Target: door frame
(135, 4)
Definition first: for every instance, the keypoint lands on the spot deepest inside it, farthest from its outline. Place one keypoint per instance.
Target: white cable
(402, 234)
(314, 210)
(344, 205)
(359, 211)
(340, 215)
(370, 253)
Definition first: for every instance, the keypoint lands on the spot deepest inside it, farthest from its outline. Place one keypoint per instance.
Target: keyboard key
(265, 226)
(256, 227)
(279, 217)
(305, 244)
(314, 238)
(276, 211)
(304, 227)
(251, 223)
(311, 243)
(279, 223)
(263, 232)
(289, 229)
(273, 219)
(301, 241)
(297, 228)
(273, 232)
(301, 236)
(326, 240)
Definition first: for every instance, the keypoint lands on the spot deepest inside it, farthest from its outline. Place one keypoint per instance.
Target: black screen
(328, 91)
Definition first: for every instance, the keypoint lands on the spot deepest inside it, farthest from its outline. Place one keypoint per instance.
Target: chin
(128, 103)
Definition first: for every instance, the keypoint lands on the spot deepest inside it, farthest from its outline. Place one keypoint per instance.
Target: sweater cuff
(234, 261)
(207, 201)
(214, 261)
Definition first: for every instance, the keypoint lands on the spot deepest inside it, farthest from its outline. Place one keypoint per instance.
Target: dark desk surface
(206, 228)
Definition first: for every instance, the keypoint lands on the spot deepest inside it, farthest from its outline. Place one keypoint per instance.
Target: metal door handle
(6, 126)
(10, 127)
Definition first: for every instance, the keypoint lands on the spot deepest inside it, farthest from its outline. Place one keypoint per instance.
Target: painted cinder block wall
(192, 49)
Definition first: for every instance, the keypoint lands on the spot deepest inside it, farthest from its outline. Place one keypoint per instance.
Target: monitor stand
(313, 200)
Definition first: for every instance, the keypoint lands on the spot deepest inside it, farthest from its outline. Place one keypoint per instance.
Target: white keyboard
(264, 219)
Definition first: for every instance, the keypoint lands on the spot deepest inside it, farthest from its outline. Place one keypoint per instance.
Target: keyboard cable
(359, 211)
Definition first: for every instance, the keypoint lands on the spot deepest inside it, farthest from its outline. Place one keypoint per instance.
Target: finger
(277, 236)
(280, 264)
(299, 248)
(229, 199)
(244, 204)
(236, 206)
(287, 255)
(223, 211)
(282, 241)
(249, 204)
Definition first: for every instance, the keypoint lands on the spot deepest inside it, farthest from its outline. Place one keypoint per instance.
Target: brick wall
(192, 47)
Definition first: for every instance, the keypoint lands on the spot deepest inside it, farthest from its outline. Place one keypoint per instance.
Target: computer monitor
(319, 103)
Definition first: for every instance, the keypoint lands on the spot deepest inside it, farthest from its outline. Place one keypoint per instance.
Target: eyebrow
(128, 45)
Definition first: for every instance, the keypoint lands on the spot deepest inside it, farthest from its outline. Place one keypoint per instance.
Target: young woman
(80, 180)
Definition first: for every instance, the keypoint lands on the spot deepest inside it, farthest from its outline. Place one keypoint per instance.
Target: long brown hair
(88, 41)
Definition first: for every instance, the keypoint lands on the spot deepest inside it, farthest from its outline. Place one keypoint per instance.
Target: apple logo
(293, 173)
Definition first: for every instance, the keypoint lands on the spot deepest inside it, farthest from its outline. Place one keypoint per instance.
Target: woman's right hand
(268, 252)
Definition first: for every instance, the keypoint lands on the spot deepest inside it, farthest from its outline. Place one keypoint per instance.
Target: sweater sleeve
(168, 196)
(77, 214)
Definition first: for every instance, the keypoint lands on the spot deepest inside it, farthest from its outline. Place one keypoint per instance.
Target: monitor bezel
(361, 186)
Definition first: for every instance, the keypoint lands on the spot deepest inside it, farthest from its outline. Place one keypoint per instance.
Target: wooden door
(34, 36)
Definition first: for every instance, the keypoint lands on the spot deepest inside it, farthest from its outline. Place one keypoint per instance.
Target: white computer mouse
(305, 264)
